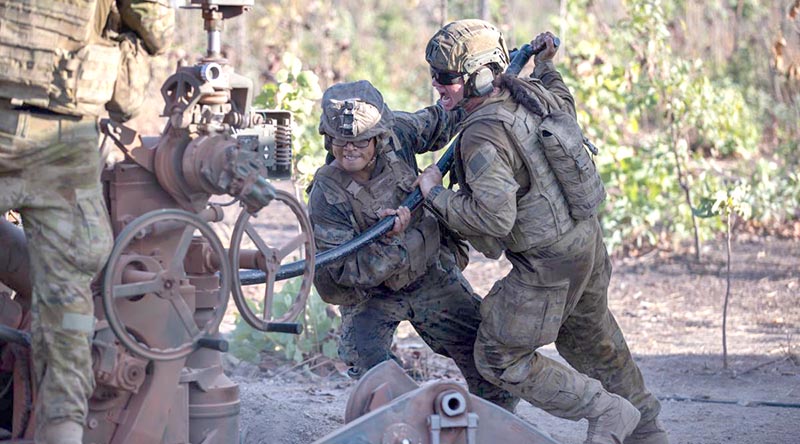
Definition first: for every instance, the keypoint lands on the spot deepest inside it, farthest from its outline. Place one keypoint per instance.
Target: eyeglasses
(445, 77)
(360, 144)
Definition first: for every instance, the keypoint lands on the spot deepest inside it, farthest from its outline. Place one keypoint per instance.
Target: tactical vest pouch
(422, 245)
(575, 170)
(46, 59)
(83, 80)
(456, 246)
(338, 295)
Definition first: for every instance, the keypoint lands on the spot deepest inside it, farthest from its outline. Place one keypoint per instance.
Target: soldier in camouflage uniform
(62, 64)
(512, 201)
(407, 274)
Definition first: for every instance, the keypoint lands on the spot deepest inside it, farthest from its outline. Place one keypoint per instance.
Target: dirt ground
(670, 309)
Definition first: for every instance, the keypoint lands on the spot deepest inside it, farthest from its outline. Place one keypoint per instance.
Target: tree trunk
(484, 10)
(683, 182)
(727, 291)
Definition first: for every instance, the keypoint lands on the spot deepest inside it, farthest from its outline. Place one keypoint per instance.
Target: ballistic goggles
(446, 77)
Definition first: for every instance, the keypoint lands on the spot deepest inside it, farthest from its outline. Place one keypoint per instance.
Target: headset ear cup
(482, 81)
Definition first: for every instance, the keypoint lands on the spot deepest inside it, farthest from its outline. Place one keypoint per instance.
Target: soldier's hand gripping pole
(519, 58)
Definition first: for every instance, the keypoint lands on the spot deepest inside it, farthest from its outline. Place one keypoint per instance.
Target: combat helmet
(472, 47)
(354, 111)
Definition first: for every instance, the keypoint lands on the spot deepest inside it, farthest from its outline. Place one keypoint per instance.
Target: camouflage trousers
(442, 309)
(559, 293)
(49, 172)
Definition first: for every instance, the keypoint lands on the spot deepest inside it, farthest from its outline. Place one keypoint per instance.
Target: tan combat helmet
(354, 111)
(467, 46)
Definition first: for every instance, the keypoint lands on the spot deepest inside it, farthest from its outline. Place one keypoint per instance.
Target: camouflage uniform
(557, 288)
(59, 67)
(406, 277)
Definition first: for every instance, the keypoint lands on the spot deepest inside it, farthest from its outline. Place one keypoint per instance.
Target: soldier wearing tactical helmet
(62, 64)
(409, 274)
(516, 198)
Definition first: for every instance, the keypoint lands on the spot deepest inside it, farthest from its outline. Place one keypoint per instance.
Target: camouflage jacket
(74, 56)
(492, 174)
(373, 269)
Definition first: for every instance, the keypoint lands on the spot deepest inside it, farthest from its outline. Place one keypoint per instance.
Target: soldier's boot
(64, 432)
(611, 419)
(650, 432)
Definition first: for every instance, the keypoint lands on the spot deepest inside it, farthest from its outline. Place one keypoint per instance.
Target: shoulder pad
(326, 181)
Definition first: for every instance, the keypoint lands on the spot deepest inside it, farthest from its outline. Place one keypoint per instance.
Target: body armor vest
(542, 212)
(51, 56)
(388, 189)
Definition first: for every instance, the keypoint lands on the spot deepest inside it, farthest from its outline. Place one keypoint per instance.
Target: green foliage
(655, 114)
(727, 201)
(318, 336)
(653, 93)
(298, 90)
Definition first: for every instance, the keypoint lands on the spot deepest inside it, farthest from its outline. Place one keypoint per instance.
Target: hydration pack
(565, 148)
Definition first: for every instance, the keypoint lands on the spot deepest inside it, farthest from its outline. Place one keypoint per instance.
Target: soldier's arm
(152, 20)
(428, 129)
(551, 79)
(490, 208)
(368, 267)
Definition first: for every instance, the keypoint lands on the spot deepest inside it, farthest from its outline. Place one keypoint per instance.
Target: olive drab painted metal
(157, 379)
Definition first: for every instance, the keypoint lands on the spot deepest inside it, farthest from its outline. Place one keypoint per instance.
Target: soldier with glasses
(408, 274)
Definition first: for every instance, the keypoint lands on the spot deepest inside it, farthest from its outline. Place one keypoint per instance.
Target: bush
(318, 336)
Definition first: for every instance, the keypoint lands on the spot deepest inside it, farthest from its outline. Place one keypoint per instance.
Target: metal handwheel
(132, 277)
(268, 259)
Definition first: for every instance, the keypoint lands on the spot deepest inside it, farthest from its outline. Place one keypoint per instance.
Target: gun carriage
(159, 302)
(165, 289)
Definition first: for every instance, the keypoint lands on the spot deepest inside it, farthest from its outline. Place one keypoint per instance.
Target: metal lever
(519, 57)
(284, 327)
(220, 345)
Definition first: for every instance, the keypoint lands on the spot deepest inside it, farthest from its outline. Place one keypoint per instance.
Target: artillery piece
(159, 303)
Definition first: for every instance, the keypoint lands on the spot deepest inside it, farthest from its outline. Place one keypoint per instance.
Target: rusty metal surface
(268, 258)
(379, 386)
(156, 350)
(439, 412)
